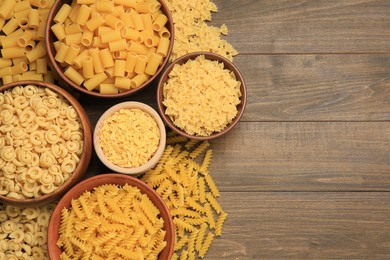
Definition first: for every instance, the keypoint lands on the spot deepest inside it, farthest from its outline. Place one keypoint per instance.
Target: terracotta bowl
(84, 159)
(227, 65)
(153, 160)
(110, 178)
(51, 52)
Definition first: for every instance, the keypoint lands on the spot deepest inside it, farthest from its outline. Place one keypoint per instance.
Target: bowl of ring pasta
(45, 143)
(109, 49)
(111, 216)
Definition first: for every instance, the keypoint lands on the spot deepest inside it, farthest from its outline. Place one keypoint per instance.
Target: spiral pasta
(190, 194)
(35, 158)
(118, 229)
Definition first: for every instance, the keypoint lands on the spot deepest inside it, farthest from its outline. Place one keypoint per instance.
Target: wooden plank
(303, 156)
(284, 225)
(316, 87)
(290, 26)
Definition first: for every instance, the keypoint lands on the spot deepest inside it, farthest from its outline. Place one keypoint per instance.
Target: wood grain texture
(303, 156)
(316, 87)
(304, 225)
(306, 26)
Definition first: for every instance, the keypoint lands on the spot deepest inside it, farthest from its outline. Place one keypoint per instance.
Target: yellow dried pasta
(193, 33)
(129, 137)
(111, 228)
(197, 217)
(207, 102)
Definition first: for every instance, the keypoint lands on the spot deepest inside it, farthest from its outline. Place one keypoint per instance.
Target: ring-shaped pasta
(27, 194)
(17, 91)
(21, 102)
(52, 114)
(73, 125)
(50, 92)
(27, 116)
(3, 216)
(56, 151)
(29, 236)
(13, 211)
(71, 113)
(37, 192)
(29, 90)
(9, 98)
(2, 99)
(6, 128)
(36, 137)
(58, 178)
(35, 173)
(8, 153)
(68, 166)
(66, 134)
(76, 136)
(41, 121)
(30, 187)
(46, 178)
(8, 226)
(25, 157)
(43, 218)
(18, 132)
(17, 236)
(46, 189)
(46, 159)
(56, 129)
(51, 137)
(72, 146)
(50, 101)
(6, 114)
(41, 110)
(35, 160)
(2, 162)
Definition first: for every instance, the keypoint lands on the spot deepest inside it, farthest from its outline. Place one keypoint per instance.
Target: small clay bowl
(153, 160)
(117, 179)
(50, 38)
(84, 159)
(227, 65)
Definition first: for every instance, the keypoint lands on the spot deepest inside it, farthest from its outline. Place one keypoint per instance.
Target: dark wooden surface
(306, 173)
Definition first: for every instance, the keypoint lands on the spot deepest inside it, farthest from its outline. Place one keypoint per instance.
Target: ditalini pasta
(41, 141)
(129, 137)
(111, 222)
(211, 96)
(23, 232)
(181, 181)
(128, 32)
(22, 24)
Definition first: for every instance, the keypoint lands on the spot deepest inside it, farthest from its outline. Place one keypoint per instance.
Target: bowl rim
(88, 185)
(156, 156)
(209, 56)
(85, 158)
(51, 54)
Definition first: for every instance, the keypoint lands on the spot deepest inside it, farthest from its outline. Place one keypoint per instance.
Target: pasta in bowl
(111, 216)
(129, 138)
(109, 48)
(45, 142)
(201, 95)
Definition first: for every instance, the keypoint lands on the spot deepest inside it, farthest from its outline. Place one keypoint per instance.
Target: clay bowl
(153, 160)
(109, 178)
(84, 158)
(51, 52)
(227, 65)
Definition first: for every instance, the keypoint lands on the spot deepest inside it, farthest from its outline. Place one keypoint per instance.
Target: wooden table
(306, 173)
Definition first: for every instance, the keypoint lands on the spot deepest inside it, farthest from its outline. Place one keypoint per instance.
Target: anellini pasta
(201, 96)
(111, 222)
(41, 141)
(111, 46)
(190, 194)
(129, 137)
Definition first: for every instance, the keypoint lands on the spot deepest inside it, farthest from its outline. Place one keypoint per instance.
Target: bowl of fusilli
(45, 143)
(111, 216)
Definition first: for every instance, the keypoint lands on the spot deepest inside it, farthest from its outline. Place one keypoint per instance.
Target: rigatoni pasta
(112, 30)
(22, 25)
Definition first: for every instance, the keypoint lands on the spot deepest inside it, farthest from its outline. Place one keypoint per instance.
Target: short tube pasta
(123, 40)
